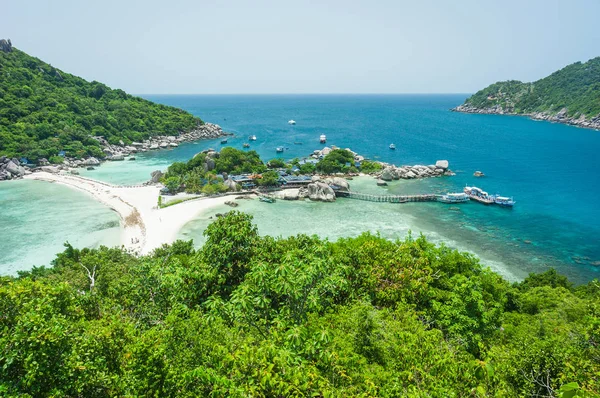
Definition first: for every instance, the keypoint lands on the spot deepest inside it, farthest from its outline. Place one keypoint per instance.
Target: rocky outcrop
(442, 164)
(119, 151)
(50, 169)
(231, 185)
(560, 117)
(341, 183)
(320, 191)
(156, 176)
(11, 169)
(5, 45)
(392, 172)
(92, 161)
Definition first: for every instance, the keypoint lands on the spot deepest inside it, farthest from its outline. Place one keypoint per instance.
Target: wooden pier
(388, 198)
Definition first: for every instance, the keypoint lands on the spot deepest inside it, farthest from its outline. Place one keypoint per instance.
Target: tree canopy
(576, 87)
(248, 315)
(44, 111)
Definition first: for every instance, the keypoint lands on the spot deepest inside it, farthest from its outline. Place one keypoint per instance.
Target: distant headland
(570, 96)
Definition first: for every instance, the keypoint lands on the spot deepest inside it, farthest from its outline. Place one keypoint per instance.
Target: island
(570, 95)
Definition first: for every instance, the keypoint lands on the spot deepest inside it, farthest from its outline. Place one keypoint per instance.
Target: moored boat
(246, 145)
(224, 141)
(459, 197)
(279, 149)
(392, 146)
(479, 195)
(323, 139)
(292, 122)
(266, 199)
(504, 201)
(252, 138)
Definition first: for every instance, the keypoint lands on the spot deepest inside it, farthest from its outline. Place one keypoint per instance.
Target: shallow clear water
(550, 169)
(37, 218)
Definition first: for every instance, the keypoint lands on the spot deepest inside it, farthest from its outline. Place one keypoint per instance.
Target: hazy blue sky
(319, 46)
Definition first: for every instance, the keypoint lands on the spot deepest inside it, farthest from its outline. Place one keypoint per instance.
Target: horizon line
(302, 94)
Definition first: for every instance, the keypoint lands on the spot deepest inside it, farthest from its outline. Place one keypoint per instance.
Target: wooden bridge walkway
(389, 198)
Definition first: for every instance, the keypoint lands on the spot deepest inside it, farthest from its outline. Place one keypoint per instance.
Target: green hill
(44, 110)
(570, 95)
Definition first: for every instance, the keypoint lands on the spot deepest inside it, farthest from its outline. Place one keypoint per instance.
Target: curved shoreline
(144, 227)
(592, 124)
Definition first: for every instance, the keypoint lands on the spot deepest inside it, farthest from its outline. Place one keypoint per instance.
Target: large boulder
(117, 157)
(410, 174)
(291, 194)
(50, 169)
(442, 164)
(387, 174)
(342, 183)
(325, 151)
(14, 169)
(319, 191)
(156, 176)
(231, 185)
(92, 161)
(209, 165)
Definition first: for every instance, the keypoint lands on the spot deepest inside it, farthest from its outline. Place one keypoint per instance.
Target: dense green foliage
(234, 161)
(199, 175)
(252, 316)
(575, 87)
(336, 161)
(44, 111)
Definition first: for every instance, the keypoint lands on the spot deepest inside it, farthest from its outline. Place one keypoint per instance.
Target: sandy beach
(144, 226)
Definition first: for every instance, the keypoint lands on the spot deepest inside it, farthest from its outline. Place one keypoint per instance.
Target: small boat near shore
(279, 149)
(322, 138)
(459, 197)
(252, 138)
(479, 195)
(224, 141)
(246, 145)
(392, 146)
(266, 199)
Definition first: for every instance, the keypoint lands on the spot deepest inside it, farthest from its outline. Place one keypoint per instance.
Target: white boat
(454, 198)
(323, 139)
(252, 138)
(279, 149)
(292, 122)
(392, 146)
(504, 201)
(479, 195)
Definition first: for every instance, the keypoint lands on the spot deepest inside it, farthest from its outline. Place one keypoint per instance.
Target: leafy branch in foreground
(251, 315)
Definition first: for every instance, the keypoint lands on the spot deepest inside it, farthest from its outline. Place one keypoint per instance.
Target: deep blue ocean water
(550, 169)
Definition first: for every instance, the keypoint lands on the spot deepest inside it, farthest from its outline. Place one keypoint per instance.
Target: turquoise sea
(550, 169)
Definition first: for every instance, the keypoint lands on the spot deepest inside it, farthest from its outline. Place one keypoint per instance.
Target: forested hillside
(44, 111)
(575, 88)
(252, 316)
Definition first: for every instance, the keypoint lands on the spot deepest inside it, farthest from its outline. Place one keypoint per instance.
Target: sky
(304, 46)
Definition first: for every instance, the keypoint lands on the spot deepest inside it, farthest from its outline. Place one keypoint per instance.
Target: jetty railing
(388, 198)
